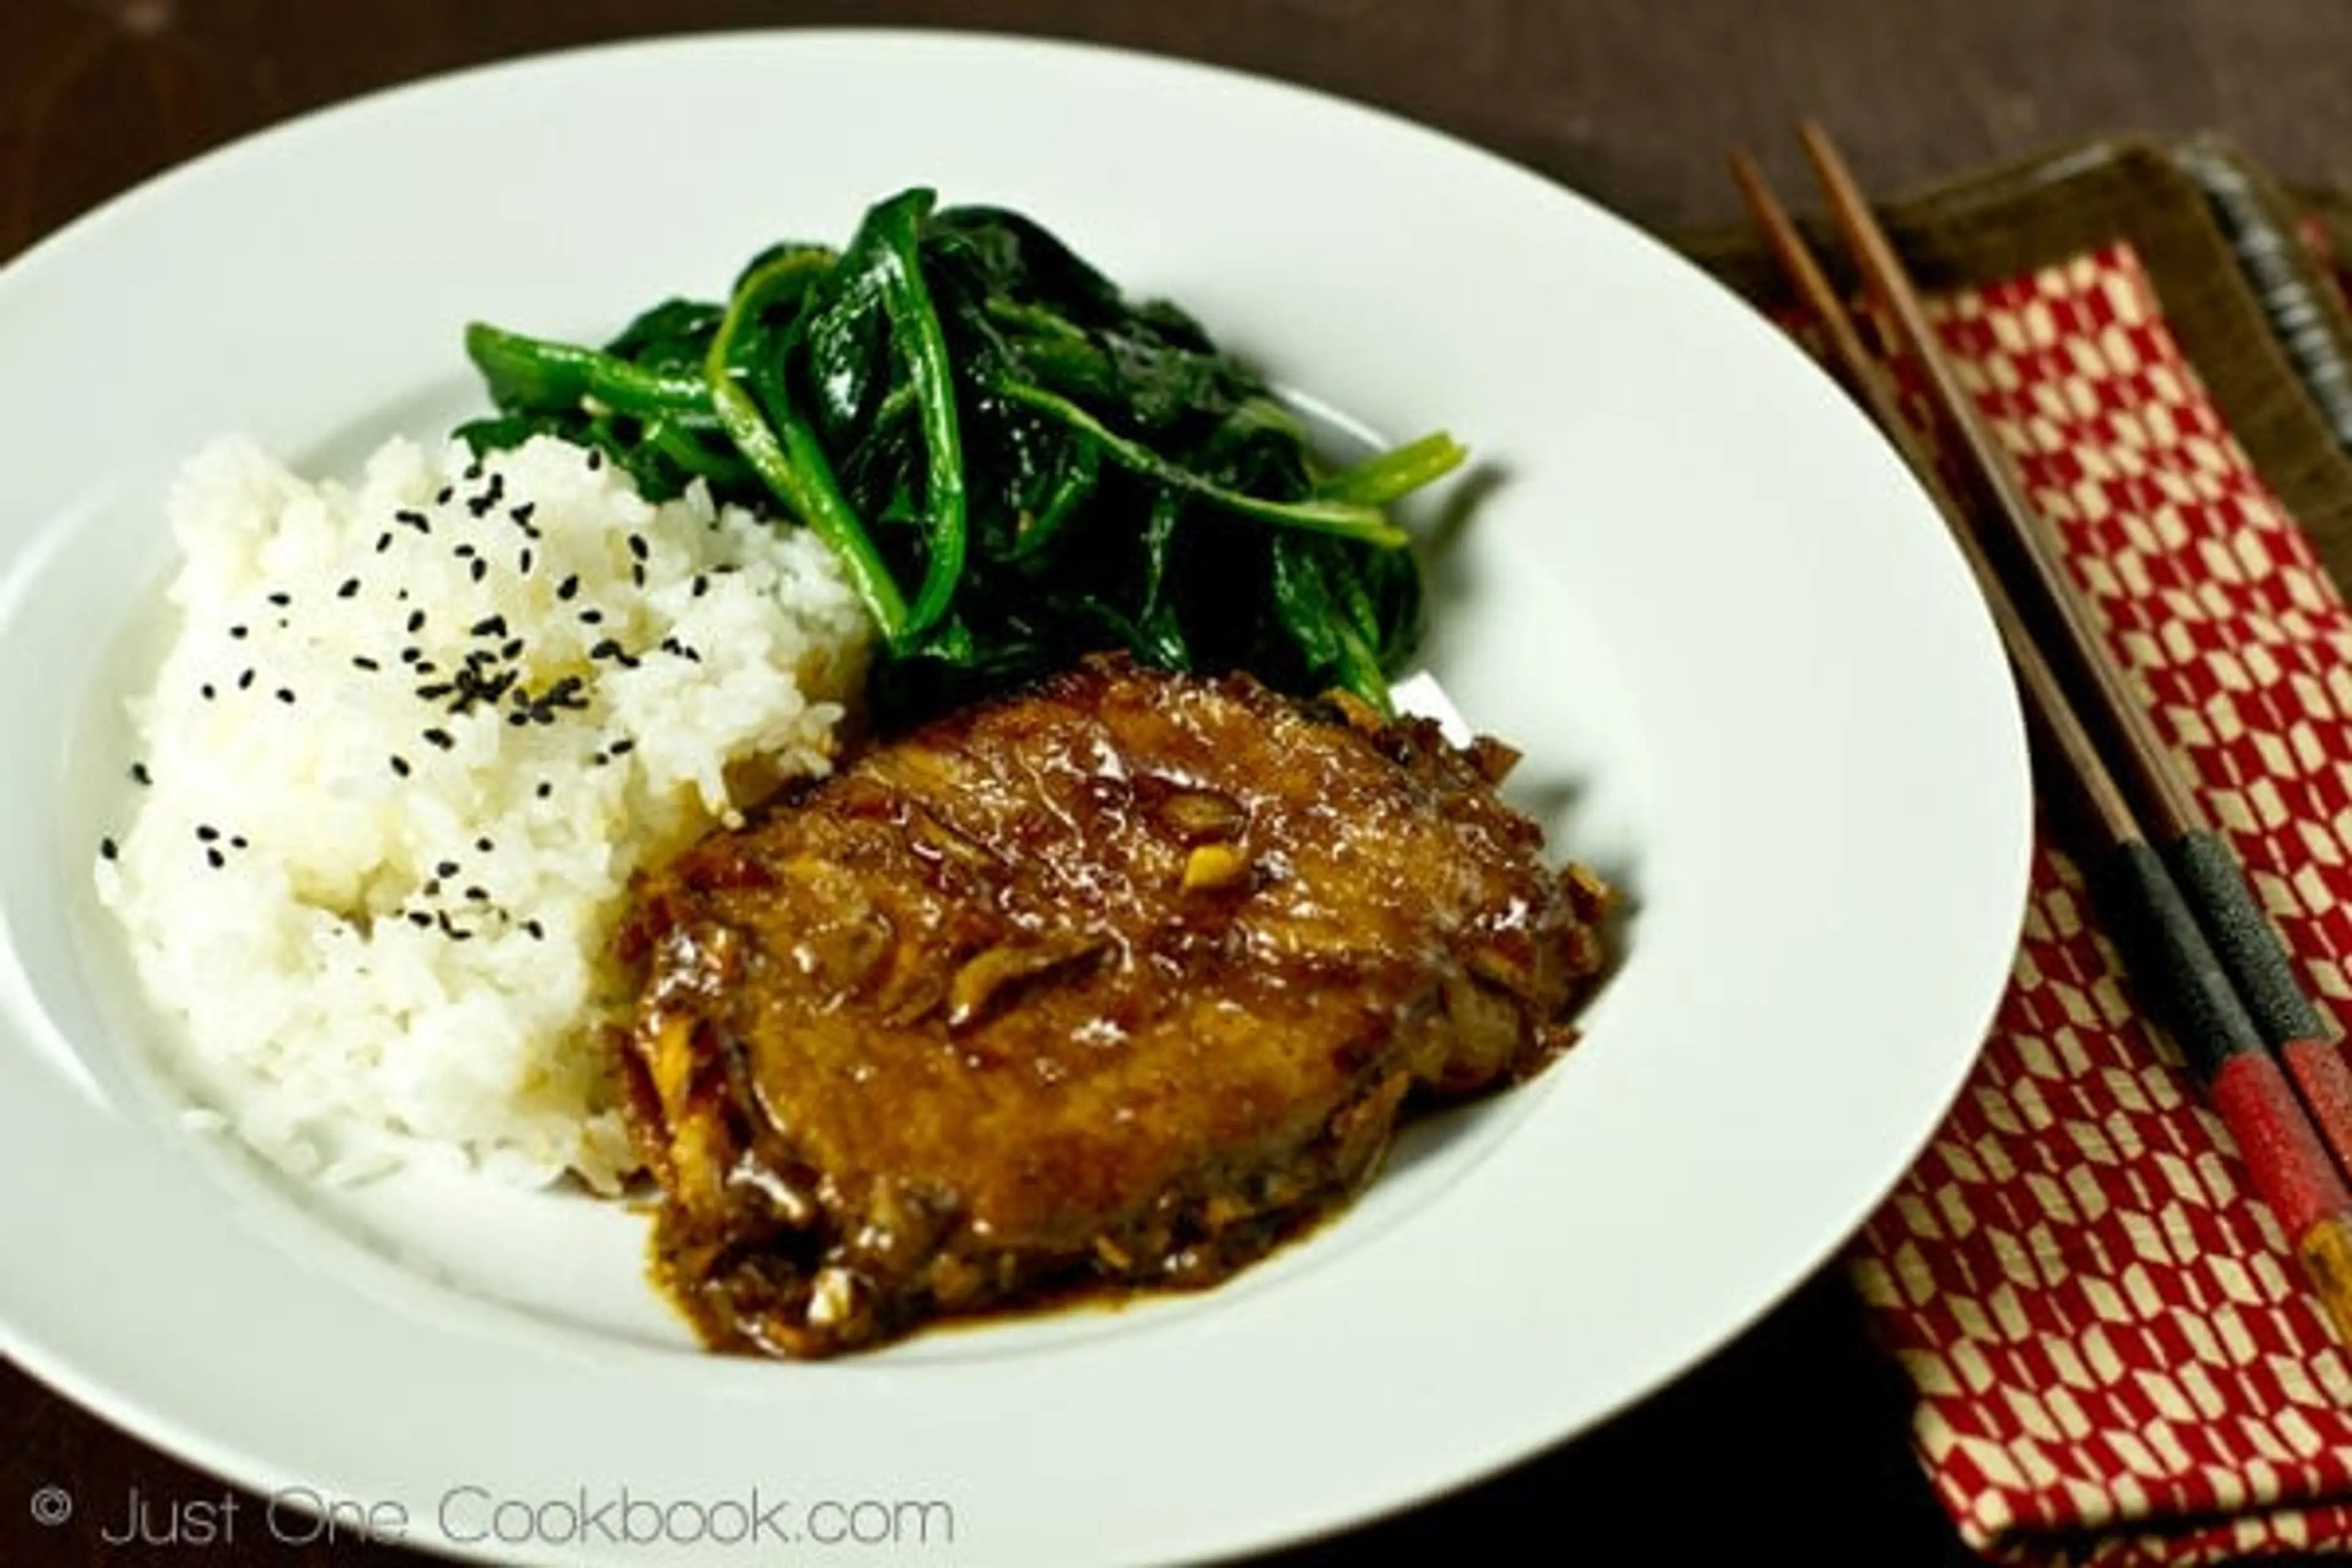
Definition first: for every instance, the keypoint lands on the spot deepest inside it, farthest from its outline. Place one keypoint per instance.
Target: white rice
(368, 962)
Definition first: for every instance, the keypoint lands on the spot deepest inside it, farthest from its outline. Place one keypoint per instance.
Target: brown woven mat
(2265, 325)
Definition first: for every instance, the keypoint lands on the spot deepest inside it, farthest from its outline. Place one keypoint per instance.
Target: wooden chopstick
(2288, 1158)
(2200, 858)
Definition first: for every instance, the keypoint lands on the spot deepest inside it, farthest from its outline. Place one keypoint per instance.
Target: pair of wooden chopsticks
(2199, 939)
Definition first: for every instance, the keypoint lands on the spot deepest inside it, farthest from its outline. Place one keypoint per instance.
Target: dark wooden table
(1793, 1437)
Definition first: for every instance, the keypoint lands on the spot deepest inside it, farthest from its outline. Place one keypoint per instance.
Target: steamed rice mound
(410, 744)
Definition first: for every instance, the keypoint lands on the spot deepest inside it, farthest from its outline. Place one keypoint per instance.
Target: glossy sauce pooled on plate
(1115, 982)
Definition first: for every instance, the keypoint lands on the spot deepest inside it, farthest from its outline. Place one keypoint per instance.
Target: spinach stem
(922, 347)
(1397, 472)
(1347, 520)
(551, 376)
(786, 456)
(1070, 491)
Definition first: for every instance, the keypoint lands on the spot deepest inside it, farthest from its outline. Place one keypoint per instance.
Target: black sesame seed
(637, 546)
(446, 869)
(350, 590)
(437, 690)
(286, 696)
(416, 520)
(238, 632)
(480, 570)
(546, 788)
(205, 690)
(489, 627)
(595, 458)
(623, 747)
(400, 766)
(478, 895)
(443, 498)
(568, 586)
(363, 661)
(384, 541)
(441, 737)
(244, 681)
(522, 563)
(464, 552)
(591, 617)
(237, 841)
(538, 931)
(523, 511)
(510, 648)
(606, 648)
(637, 575)
(432, 888)
(419, 919)
(518, 718)
(214, 858)
(108, 848)
(207, 833)
(282, 599)
(415, 620)
(484, 844)
(701, 585)
(473, 470)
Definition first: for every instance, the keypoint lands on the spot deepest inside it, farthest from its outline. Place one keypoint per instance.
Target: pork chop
(1115, 981)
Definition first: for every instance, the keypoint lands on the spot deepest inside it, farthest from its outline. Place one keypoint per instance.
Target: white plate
(1750, 676)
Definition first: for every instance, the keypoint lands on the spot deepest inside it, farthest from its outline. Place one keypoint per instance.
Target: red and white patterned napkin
(2115, 1356)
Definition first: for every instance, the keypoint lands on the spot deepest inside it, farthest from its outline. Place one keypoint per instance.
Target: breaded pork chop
(1115, 981)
